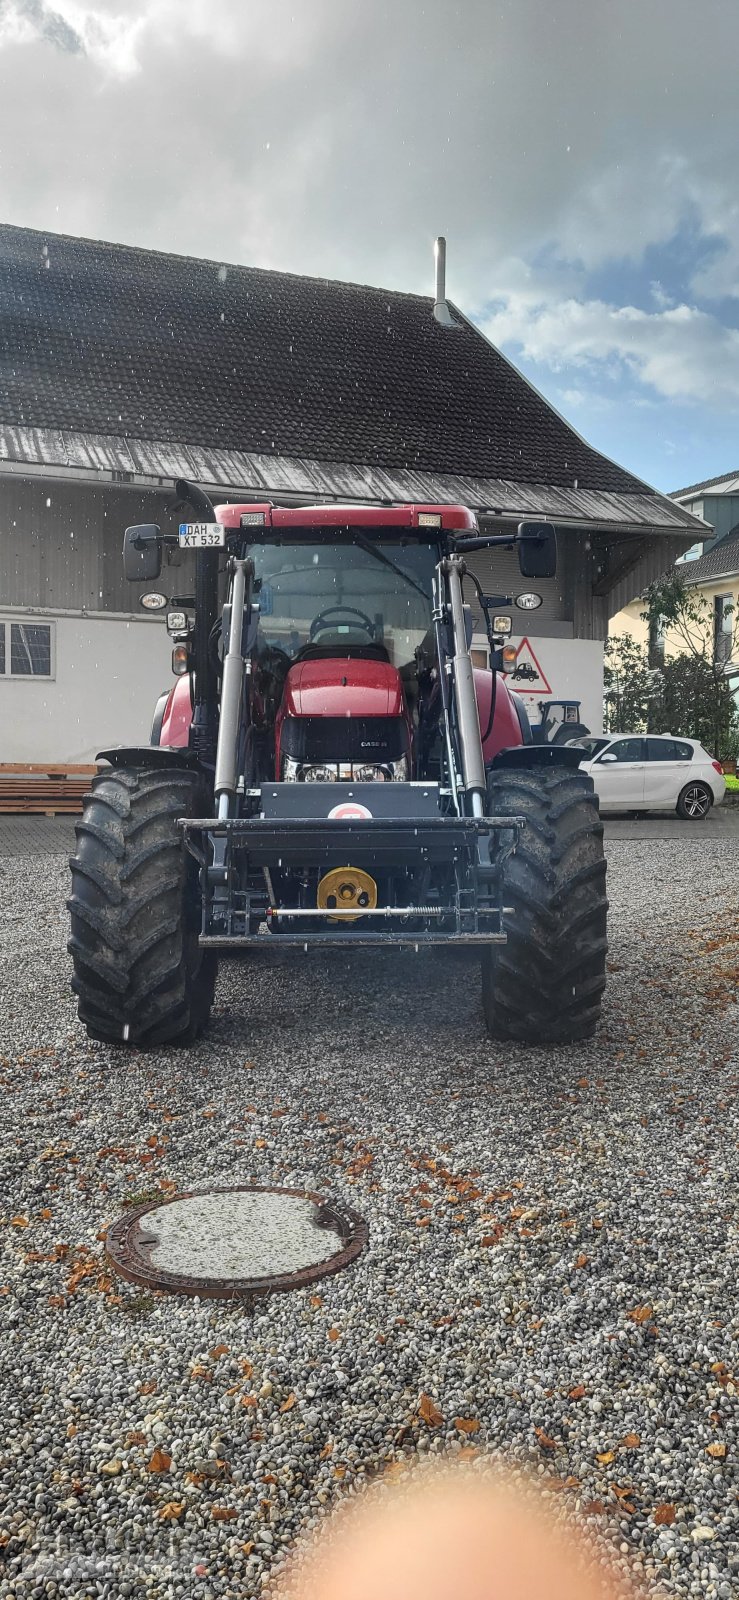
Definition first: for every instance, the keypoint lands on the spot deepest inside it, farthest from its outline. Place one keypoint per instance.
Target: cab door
(618, 775)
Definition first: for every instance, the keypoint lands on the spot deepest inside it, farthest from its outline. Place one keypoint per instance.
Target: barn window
(26, 649)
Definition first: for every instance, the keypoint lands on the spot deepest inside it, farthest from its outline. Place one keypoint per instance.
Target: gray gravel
(553, 1250)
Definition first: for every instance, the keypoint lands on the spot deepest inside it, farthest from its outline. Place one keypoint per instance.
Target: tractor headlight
(322, 774)
(370, 774)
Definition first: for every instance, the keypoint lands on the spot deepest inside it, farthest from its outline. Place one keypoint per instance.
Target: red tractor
(330, 770)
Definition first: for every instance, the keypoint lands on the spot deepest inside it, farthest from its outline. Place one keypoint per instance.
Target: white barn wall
(109, 673)
(574, 671)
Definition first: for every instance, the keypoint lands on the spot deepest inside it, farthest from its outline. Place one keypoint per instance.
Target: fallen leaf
(545, 1441)
(160, 1462)
(316, 1299)
(640, 1314)
(224, 1514)
(334, 1334)
(493, 1238)
(248, 1400)
(339, 1472)
(260, 1144)
(172, 1511)
(582, 1260)
(148, 1388)
(135, 1439)
(19, 1222)
(664, 1515)
(606, 1457)
(327, 1450)
(594, 1508)
(202, 1372)
(220, 1350)
(631, 1442)
(247, 1369)
(578, 1392)
(466, 1424)
(45, 1215)
(429, 1411)
(717, 1450)
(288, 1404)
(59, 1301)
(597, 1223)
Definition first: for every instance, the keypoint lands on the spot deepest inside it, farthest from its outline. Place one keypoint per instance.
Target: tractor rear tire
(544, 985)
(140, 975)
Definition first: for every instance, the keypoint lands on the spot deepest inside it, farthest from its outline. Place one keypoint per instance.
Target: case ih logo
(349, 809)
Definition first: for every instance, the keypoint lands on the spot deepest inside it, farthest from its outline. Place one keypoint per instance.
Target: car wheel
(694, 802)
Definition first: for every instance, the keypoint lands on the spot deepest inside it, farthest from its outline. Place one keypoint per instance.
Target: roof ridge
(705, 483)
(212, 261)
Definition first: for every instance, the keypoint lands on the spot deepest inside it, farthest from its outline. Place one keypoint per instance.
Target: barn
(122, 369)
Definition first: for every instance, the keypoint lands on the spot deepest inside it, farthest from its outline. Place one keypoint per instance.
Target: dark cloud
(50, 25)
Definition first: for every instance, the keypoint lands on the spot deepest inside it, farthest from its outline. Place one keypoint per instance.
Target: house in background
(711, 565)
(122, 369)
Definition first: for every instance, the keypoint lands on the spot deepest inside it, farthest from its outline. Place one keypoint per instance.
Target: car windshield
(350, 594)
(592, 746)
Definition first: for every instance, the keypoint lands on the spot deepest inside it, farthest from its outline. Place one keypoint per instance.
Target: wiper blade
(379, 555)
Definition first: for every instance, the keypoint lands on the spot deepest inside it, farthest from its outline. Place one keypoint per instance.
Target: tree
(696, 698)
(630, 685)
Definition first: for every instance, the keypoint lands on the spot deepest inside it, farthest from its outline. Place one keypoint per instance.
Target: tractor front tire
(544, 985)
(140, 975)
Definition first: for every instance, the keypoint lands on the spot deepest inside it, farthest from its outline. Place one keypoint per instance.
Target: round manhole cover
(222, 1242)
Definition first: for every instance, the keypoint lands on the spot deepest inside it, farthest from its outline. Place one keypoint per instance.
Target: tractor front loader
(330, 770)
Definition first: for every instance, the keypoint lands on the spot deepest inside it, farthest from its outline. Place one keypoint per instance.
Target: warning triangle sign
(527, 676)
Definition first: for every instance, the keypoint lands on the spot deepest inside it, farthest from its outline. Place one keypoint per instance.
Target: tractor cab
(560, 722)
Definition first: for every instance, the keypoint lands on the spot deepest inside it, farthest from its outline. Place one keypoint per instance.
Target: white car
(653, 772)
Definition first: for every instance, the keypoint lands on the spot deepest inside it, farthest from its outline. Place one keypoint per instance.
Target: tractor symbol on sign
(526, 671)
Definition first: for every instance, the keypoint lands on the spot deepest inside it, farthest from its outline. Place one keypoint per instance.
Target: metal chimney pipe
(441, 309)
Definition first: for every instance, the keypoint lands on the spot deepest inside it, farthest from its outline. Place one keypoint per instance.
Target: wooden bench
(43, 789)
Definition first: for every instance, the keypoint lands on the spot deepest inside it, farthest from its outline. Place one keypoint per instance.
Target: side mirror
(608, 757)
(537, 549)
(142, 552)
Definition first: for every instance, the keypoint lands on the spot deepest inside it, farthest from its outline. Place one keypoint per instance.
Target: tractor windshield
(354, 594)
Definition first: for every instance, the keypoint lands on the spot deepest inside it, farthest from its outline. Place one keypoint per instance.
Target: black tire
(694, 802)
(139, 973)
(544, 985)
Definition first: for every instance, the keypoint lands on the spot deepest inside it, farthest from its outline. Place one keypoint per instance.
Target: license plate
(201, 535)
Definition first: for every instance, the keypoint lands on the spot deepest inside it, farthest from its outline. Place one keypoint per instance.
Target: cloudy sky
(580, 156)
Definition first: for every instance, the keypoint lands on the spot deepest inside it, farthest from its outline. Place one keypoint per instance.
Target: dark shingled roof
(106, 339)
(708, 483)
(719, 562)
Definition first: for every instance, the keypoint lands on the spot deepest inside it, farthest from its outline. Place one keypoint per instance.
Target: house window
(723, 628)
(657, 642)
(27, 649)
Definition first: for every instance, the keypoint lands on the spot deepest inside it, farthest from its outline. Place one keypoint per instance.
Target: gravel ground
(552, 1261)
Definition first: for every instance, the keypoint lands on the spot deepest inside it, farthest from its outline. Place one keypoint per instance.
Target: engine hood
(343, 686)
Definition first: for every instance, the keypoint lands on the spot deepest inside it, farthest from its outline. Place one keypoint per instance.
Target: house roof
(722, 561)
(130, 360)
(728, 483)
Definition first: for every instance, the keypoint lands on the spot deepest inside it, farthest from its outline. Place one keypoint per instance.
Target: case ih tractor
(329, 770)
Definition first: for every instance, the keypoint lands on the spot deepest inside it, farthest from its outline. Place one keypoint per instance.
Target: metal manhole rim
(126, 1245)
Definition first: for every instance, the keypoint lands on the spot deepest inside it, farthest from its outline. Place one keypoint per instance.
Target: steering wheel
(321, 621)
